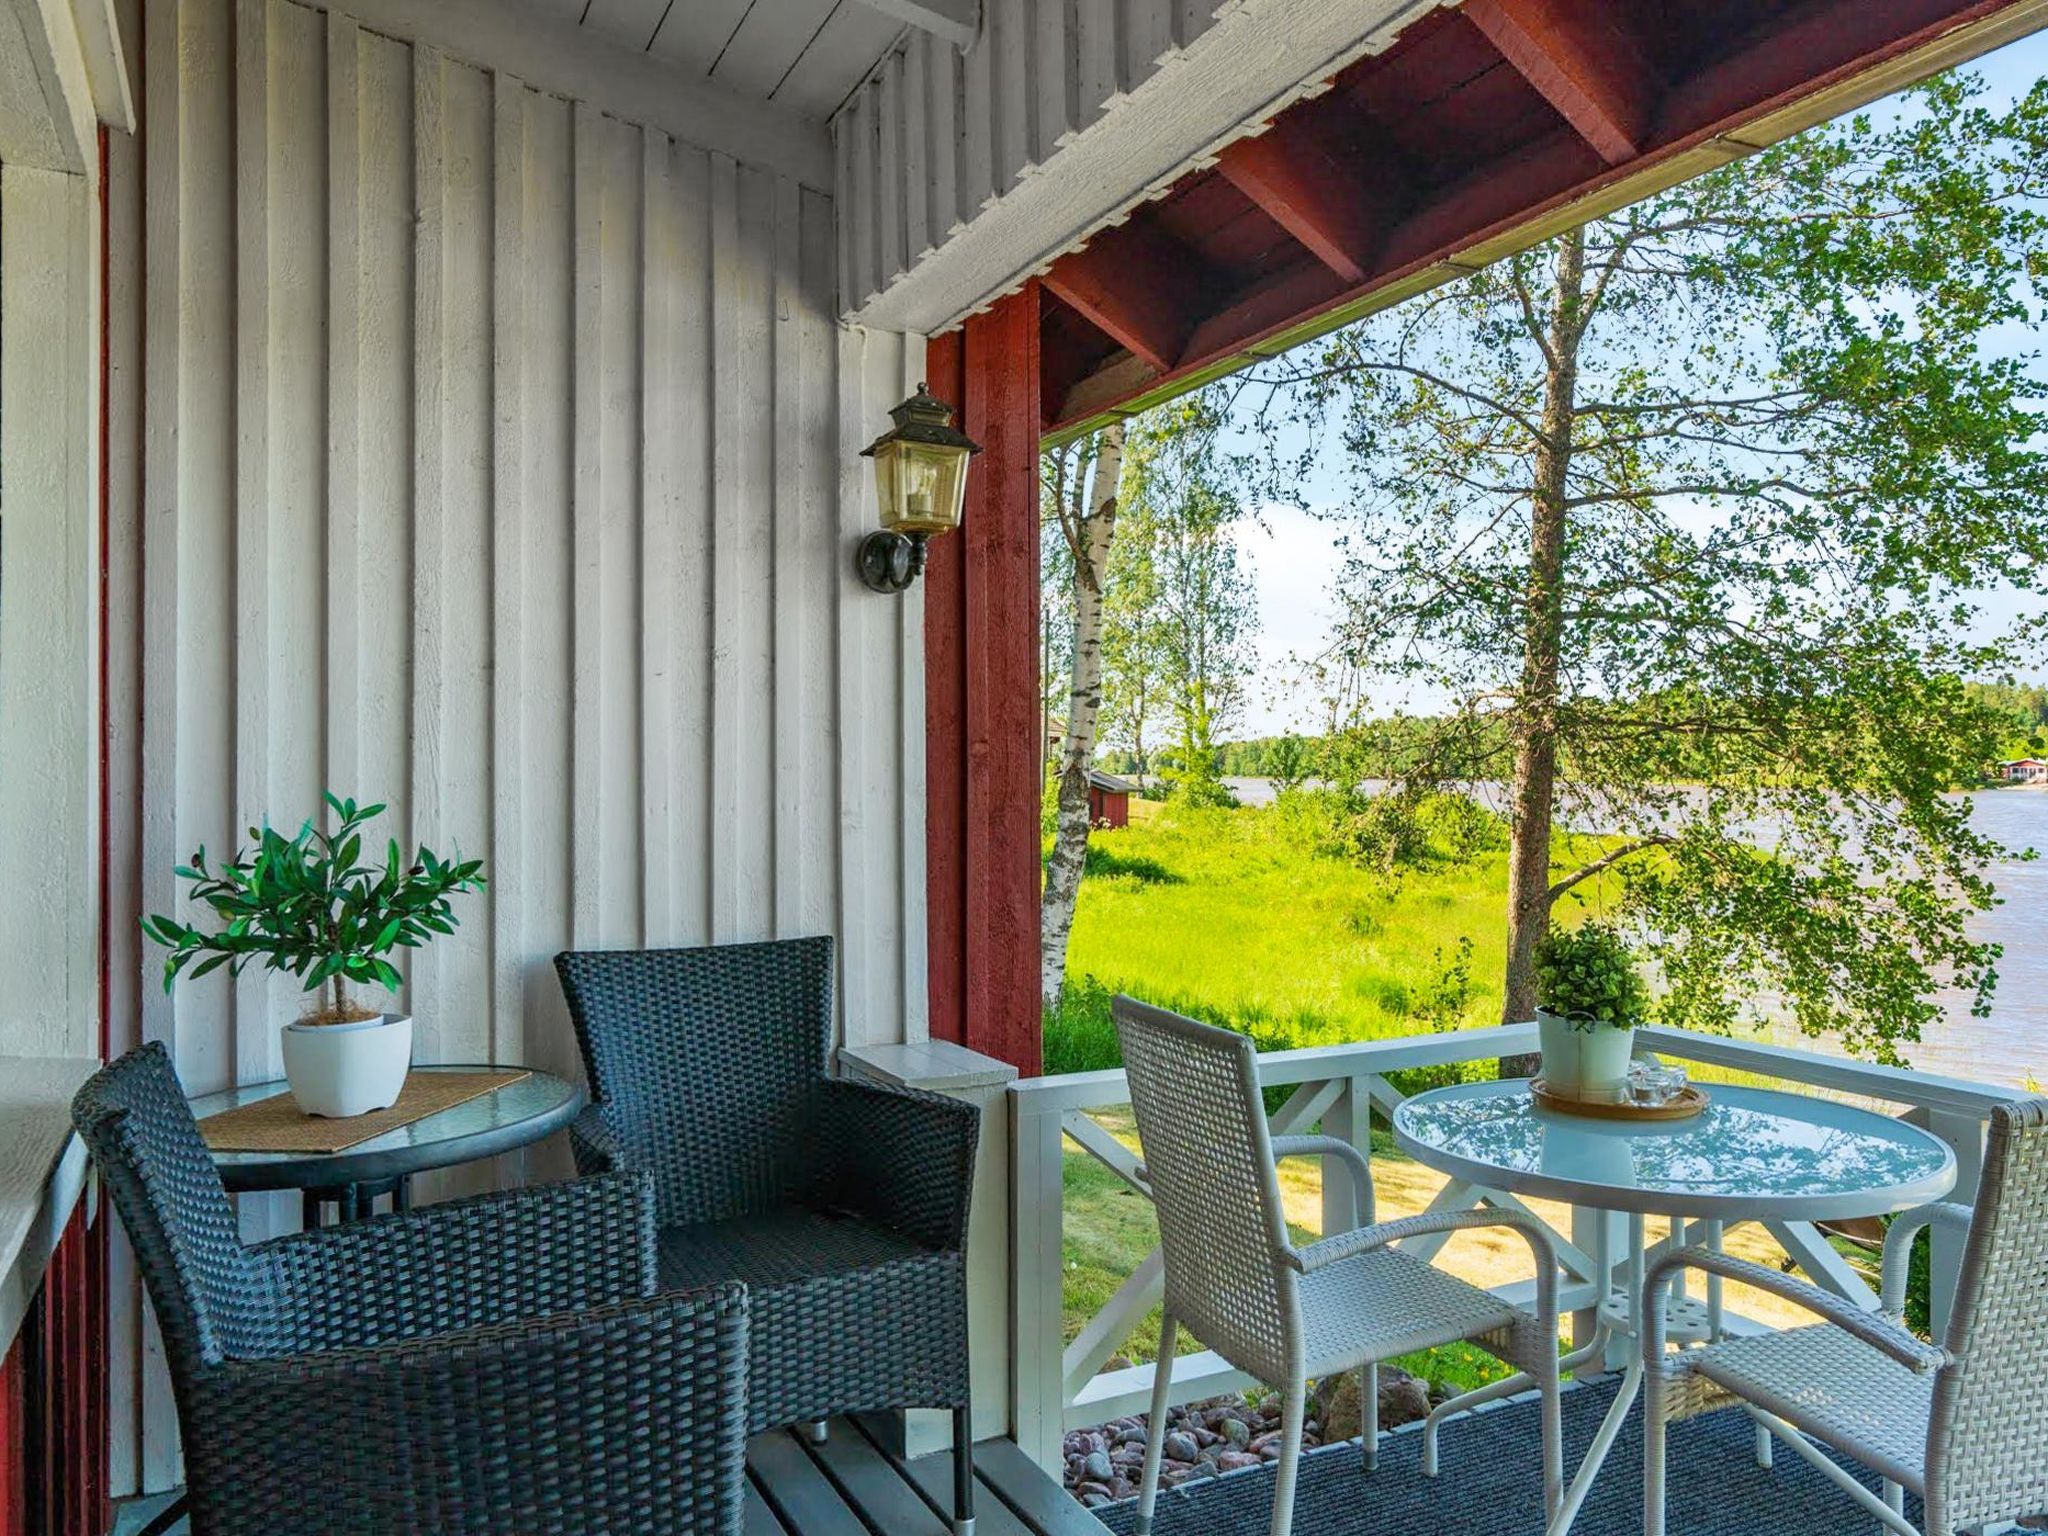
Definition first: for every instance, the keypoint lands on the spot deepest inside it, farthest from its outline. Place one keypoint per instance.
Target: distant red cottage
(2025, 770)
(1109, 799)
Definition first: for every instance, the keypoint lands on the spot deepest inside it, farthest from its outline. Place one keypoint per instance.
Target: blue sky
(1293, 553)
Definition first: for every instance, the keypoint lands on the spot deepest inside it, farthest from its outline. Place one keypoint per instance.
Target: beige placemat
(277, 1124)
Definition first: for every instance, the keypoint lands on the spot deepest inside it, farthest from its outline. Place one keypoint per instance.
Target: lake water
(2012, 1044)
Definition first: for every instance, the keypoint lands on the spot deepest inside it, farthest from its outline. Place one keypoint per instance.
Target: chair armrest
(1898, 1247)
(593, 1144)
(467, 1263)
(899, 1157)
(633, 1413)
(1330, 1146)
(1349, 1245)
(1878, 1332)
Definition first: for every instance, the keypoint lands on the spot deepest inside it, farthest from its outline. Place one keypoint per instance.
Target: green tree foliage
(1181, 500)
(1699, 492)
(2022, 712)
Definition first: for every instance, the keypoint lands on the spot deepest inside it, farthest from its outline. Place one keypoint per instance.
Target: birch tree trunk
(1535, 784)
(1089, 530)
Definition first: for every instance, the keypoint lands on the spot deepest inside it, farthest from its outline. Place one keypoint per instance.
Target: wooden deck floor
(853, 1486)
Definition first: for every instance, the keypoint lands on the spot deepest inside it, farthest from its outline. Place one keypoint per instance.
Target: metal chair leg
(1369, 1415)
(1292, 1411)
(1155, 1426)
(1653, 1455)
(963, 1472)
(168, 1518)
(817, 1431)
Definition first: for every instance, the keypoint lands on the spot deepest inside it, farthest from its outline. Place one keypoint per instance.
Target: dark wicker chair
(490, 1365)
(841, 1205)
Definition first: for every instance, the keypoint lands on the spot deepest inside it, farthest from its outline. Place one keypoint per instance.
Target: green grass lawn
(1227, 915)
(1223, 915)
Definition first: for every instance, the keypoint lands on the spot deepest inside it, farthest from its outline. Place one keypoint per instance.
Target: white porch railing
(1057, 1385)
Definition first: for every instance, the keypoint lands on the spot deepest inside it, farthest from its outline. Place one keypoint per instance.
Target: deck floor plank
(993, 1514)
(1023, 1485)
(801, 1495)
(756, 1518)
(875, 1485)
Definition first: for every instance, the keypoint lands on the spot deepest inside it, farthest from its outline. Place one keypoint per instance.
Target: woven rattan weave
(842, 1205)
(1280, 1313)
(485, 1366)
(1964, 1422)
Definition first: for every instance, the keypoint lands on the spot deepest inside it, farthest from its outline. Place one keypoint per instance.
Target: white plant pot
(1584, 1061)
(339, 1070)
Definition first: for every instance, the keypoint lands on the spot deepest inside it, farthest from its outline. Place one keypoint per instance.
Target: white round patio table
(1754, 1154)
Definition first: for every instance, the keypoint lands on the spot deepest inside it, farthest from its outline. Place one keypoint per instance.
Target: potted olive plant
(310, 906)
(1588, 1000)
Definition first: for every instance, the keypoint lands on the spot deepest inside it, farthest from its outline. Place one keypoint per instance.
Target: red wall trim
(981, 698)
(53, 1397)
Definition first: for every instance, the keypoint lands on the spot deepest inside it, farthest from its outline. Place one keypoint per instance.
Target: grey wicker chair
(1962, 1423)
(489, 1365)
(1283, 1314)
(842, 1205)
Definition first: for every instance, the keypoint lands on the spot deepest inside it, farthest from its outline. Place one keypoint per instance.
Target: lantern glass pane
(920, 486)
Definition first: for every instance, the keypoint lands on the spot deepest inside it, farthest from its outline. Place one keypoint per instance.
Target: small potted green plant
(1588, 1001)
(310, 906)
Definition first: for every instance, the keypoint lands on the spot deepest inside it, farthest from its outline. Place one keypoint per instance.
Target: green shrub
(1588, 975)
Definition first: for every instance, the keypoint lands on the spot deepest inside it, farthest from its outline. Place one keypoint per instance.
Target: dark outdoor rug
(1490, 1484)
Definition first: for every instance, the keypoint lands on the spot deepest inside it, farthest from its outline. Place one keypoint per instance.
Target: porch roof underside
(1483, 130)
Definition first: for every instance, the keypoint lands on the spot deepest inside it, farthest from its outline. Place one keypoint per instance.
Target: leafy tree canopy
(1701, 491)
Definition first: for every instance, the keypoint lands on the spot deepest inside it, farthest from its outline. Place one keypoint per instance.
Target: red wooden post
(981, 697)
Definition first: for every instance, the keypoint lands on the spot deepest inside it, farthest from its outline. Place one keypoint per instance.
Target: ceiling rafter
(1139, 286)
(1304, 176)
(1589, 67)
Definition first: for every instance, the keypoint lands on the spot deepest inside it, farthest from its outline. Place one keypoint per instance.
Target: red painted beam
(1300, 174)
(981, 699)
(1586, 64)
(1804, 49)
(1137, 285)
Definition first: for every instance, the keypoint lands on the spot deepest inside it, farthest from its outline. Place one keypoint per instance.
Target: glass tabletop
(1753, 1152)
(499, 1121)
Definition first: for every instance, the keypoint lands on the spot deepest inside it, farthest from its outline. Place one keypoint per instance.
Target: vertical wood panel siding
(942, 133)
(498, 458)
(1063, 116)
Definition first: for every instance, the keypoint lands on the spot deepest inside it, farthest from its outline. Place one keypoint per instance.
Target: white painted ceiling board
(631, 22)
(770, 38)
(695, 32)
(847, 47)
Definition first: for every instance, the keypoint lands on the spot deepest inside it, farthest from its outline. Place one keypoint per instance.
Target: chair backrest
(213, 1298)
(1209, 1160)
(706, 1065)
(1988, 1440)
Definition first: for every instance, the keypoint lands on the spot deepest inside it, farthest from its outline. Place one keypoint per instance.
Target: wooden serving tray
(1690, 1101)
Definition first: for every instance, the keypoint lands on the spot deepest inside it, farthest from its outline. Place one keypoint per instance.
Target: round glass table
(503, 1120)
(1753, 1154)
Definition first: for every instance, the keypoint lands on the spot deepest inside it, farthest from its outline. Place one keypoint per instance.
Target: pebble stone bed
(1227, 1434)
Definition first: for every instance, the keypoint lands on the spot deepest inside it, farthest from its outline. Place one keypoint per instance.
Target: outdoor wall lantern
(920, 481)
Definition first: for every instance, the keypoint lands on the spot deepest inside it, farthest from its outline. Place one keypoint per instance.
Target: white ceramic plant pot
(339, 1070)
(1583, 1061)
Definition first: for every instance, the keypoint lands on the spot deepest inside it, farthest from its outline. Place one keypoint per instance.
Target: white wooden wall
(482, 452)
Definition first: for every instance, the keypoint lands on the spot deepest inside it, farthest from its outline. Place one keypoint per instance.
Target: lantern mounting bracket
(891, 562)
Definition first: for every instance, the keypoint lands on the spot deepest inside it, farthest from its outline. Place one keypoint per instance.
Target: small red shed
(1109, 799)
